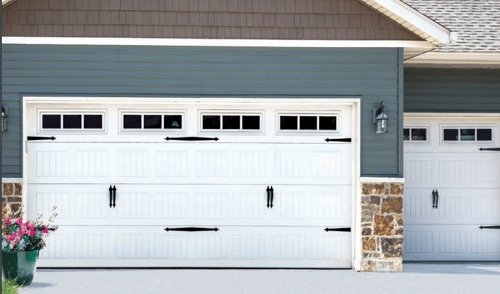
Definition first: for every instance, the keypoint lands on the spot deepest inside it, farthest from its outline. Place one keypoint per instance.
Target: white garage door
(442, 155)
(192, 202)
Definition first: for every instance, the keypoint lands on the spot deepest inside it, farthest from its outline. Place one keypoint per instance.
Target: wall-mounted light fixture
(380, 118)
(4, 120)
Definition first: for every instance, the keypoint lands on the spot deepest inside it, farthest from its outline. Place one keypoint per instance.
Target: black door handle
(114, 196)
(268, 196)
(191, 139)
(191, 229)
(433, 199)
(110, 196)
(272, 196)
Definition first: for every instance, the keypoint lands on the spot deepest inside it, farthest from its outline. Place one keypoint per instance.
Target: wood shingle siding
(212, 19)
(135, 71)
(452, 90)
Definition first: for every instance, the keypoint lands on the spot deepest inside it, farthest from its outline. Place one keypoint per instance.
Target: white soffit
(413, 20)
(456, 58)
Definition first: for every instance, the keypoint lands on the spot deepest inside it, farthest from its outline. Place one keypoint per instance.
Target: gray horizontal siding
(452, 90)
(207, 72)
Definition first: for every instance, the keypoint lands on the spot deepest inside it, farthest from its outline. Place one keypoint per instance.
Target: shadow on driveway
(464, 268)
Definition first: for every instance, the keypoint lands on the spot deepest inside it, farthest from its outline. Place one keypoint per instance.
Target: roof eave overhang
(456, 59)
(412, 20)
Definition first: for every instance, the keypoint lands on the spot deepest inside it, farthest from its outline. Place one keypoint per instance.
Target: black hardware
(489, 149)
(268, 196)
(110, 196)
(338, 229)
(191, 229)
(191, 139)
(347, 140)
(433, 199)
(490, 227)
(35, 138)
(437, 198)
(272, 196)
(114, 196)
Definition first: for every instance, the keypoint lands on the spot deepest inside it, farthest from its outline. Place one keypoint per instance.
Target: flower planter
(20, 266)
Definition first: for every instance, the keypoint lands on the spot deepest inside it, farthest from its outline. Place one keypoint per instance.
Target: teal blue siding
(452, 90)
(373, 74)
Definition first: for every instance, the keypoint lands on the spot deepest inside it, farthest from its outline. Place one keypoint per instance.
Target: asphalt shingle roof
(477, 22)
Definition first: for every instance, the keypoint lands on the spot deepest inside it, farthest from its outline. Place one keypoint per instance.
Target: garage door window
(231, 122)
(467, 134)
(415, 134)
(307, 122)
(152, 122)
(72, 121)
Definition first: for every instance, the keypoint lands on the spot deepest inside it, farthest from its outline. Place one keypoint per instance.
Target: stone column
(382, 227)
(12, 196)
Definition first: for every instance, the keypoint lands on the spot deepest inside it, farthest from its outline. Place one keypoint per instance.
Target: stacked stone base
(12, 196)
(382, 227)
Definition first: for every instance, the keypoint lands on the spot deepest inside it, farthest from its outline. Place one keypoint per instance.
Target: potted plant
(21, 242)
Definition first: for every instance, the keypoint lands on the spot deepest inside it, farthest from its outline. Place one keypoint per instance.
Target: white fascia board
(403, 11)
(450, 115)
(216, 42)
(456, 58)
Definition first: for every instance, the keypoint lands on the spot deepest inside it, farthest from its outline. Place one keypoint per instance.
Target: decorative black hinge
(346, 140)
(34, 138)
(192, 139)
(338, 229)
(489, 149)
(191, 229)
(490, 227)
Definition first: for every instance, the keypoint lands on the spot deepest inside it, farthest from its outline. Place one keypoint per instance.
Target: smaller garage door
(442, 155)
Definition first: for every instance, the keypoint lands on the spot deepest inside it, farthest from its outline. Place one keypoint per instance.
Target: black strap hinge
(191, 139)
(489, 149)
(191, 229)
(36, 138)
(338, 229)
(345, 140)
(490, 227)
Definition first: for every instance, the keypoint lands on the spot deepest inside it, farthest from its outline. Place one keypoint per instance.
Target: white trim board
(450, 115)
(462, 58)
(381, 180)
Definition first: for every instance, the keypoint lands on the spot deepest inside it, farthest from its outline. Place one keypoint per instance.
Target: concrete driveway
(447, 278)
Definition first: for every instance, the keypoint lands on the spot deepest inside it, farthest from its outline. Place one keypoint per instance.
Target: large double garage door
(452, 189)
(260, 195)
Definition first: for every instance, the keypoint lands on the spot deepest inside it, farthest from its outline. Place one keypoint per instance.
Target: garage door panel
(194, 205)
(451, 242)
(229, 246)
(455, 206)
(199, 163)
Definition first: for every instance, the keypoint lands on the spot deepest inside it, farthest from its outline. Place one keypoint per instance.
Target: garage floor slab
(453, 278)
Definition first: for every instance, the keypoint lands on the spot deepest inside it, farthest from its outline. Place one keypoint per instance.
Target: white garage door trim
(468, 190)
(128, 102)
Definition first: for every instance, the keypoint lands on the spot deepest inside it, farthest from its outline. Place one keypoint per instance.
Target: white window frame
(82, 112)
(427, 128)
(241, 113)
(142, 130)
(316, 132)
(442, 127)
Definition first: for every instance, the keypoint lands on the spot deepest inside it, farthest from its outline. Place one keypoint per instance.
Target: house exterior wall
(451, 90)
(214, 19)
(375, 75)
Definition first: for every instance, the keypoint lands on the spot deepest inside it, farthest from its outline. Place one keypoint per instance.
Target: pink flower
(8, 221)
(9, 238)
(12, 244)
(32, 227)
(45, 230)
(19, 221)
(32, 233)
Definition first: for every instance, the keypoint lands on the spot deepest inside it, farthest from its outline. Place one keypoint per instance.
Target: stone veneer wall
(12, 195)
(382, 227)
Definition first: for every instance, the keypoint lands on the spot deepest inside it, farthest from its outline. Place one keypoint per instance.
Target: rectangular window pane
(132, 121)
(467, 135)
(308, 123)
(418, 134)
(406, 134)
(172, 121)
(450, 134)
(152, 121)
(72, 121)
(92, 121)
(231, 122)
(484, 135)
(211, 122)
(251, 122)
(328, 123)
(51, 121)
(288, 122)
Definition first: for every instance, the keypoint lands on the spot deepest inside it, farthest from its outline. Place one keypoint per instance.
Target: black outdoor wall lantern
(4, 120)
(380, 118)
